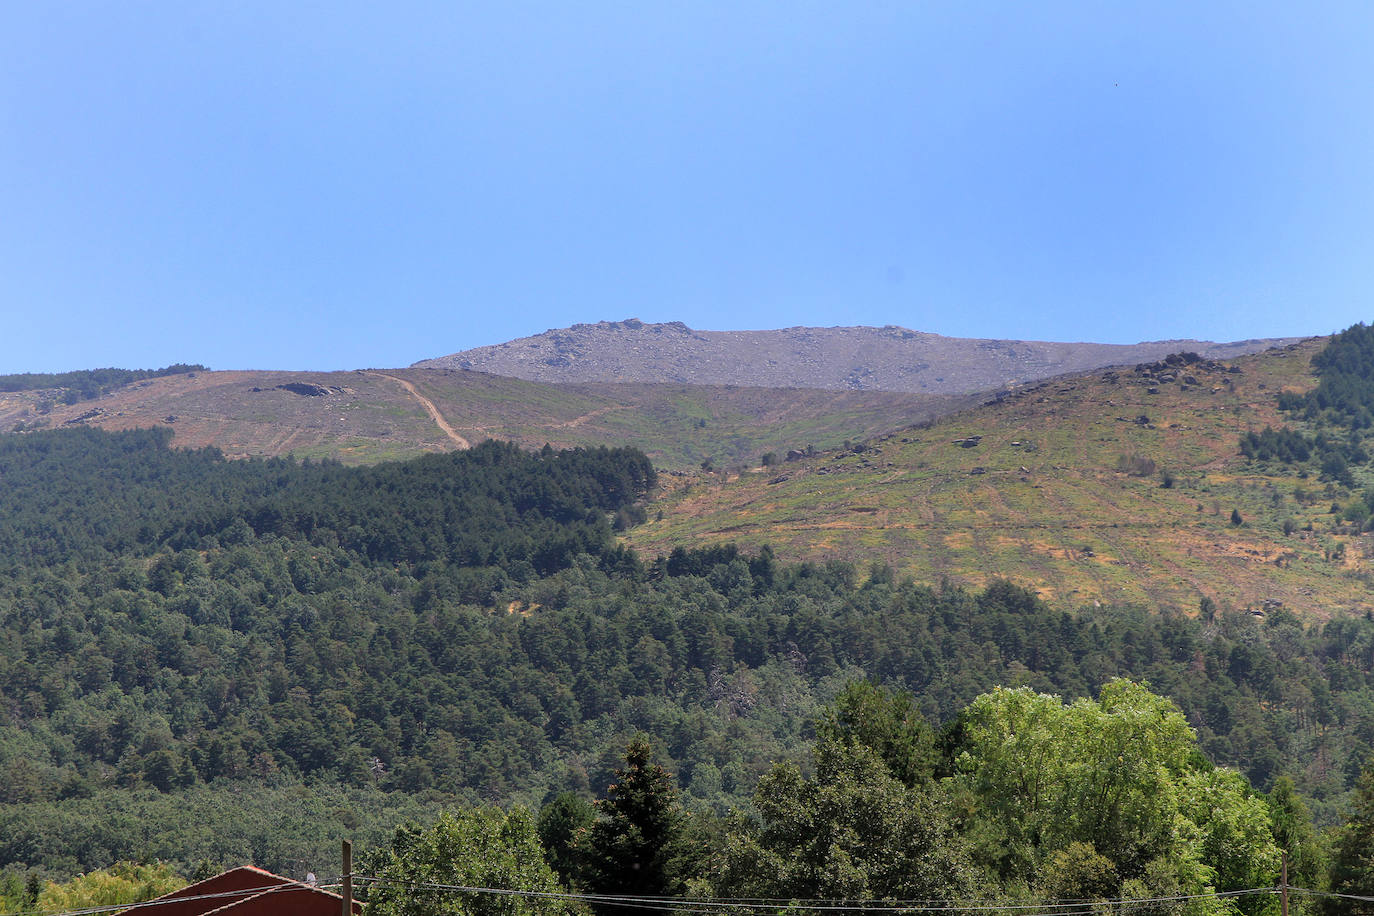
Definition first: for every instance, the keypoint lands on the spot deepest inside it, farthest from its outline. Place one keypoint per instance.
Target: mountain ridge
(855, 358)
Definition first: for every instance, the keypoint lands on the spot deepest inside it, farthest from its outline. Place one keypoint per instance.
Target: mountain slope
(368, 416)
(1062, 487)
(856, 358)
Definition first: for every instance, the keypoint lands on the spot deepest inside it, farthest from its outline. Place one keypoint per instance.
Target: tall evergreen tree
(1352, 866)
(1291, 823)
(632, 847)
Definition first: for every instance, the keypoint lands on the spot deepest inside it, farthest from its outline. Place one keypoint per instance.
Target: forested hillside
(207, 661)
(82, 494)
(463, 627)
(1327, 429)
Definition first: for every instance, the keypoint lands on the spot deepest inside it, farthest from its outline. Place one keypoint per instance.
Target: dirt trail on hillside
(428, 405)
(578, 421)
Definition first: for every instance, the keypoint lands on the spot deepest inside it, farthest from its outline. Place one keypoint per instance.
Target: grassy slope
(1070, 524)
(370, 416)
(1040, 499)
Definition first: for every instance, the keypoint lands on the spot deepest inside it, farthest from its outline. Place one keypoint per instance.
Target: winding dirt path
(428, 405)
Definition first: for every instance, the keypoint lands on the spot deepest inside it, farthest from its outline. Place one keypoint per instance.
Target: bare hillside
(858, 358)
(383, 414)
(1117, 485)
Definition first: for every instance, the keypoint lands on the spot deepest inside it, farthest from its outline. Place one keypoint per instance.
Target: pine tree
(1291, 824)
(1352, 866)
(632, 847)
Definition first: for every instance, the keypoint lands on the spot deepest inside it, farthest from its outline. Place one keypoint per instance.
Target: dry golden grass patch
(1040, 497)
(957, 540)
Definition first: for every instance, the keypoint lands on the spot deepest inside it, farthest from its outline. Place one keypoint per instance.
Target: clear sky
(316, 185)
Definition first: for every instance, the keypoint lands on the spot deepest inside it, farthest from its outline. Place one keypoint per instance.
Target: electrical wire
(716, 904)
(164, 901)
(706, 905)
(1303, 890)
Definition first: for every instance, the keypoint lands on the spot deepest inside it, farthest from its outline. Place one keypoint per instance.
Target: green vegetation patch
(85, 384)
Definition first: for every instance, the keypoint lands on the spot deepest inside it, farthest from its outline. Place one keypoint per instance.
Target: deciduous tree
(476, 848)
(868, 825)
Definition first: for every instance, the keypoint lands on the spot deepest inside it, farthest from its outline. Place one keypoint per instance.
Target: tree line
(85, 384)
(1022, 801)
(179, 630)
(1336, 416)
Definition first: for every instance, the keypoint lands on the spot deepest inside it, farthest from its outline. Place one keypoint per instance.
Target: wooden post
(1283, 886)
(348, 879)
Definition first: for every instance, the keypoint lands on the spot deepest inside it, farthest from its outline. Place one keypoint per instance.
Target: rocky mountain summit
(847, 358)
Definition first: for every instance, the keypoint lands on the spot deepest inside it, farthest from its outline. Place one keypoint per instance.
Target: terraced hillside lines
(350, 416)
(365, 417)
(429, 407)
(1118, 485)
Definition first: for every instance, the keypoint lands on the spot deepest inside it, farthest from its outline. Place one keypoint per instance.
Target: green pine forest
(207, 662)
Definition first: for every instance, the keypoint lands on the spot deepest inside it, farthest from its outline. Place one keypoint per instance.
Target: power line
(1067, 907)
(161, 901)
(1310, 893)
(711, 904)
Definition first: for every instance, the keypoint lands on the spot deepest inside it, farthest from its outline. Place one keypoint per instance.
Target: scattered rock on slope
(856, 358)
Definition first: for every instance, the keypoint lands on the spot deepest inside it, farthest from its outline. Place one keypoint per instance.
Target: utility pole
(1283, 886)
(348, 880)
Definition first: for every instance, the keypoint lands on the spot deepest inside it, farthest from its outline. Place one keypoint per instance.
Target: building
(247, 891)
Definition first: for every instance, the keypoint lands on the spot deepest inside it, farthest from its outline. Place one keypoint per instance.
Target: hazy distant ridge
(853, 358)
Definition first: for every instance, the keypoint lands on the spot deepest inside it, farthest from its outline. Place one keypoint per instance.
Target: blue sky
(342, 185)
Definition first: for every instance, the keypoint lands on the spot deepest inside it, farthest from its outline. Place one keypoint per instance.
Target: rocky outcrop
(848, 358)
(306, 389)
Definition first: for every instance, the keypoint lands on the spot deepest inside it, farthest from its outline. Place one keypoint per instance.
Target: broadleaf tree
(1120, 777)
(472, 848)
(868, 825)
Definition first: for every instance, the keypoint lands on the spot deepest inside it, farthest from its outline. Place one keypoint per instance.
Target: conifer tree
(1352, 865)
(1292, 827)
(632, 847)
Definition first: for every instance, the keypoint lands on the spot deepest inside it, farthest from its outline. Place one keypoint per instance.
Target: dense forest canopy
(1021, 801)
(284, 624)
(82, 493)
